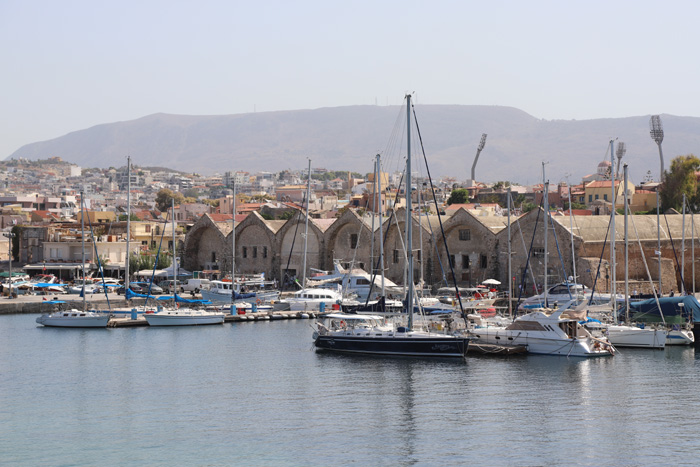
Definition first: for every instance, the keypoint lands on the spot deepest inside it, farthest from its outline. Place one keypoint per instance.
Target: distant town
(41, 214)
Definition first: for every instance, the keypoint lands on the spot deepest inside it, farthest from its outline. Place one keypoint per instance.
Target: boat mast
(306, 231)
(627, 258)
(372, 271)
(546, 227)
(571, 227)
(510, 266)
(381, 236)
(233, 244)
(613, 278)
(683, 252)
(82, 235)
(172, 207)
(409, 234)
(127, 282)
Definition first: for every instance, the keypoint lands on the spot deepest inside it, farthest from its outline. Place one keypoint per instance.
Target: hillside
(347, 138)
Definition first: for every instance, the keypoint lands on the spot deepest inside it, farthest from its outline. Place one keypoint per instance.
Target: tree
(680, 180)
(164, 197)
(458, 196)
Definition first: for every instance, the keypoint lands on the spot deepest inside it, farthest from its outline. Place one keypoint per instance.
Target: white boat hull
(74, 319)
(680, 337)
(183, 317)
(632, 336)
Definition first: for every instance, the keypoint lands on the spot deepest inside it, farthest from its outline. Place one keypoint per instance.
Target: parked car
(142, 288)
(194, 285)
(167, 286)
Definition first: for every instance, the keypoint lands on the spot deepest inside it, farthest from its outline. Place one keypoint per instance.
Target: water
(258, 394)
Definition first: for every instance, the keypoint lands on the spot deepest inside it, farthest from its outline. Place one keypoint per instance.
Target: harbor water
(259, 394)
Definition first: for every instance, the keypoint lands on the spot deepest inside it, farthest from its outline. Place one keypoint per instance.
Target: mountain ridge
(347, 138)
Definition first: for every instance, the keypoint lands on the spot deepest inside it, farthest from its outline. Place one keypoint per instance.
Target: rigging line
(155, 264)
(525, 249)
(527, 264)
(600, 261)
(437, 208)
(99, 263)
(291, 250)
(386, 235)
(561, 259)
(673, 247)
(432, 238)
(646, 266)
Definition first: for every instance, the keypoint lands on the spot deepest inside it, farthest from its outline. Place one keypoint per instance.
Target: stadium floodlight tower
(656, 130)
(482, 143)
(620, 153)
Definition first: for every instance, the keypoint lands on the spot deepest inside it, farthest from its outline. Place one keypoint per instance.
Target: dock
(127, 322)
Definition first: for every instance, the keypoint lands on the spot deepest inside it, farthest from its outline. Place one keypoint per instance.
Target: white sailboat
(368, 334)
(625, 335)
(184, 316)
(76, 318)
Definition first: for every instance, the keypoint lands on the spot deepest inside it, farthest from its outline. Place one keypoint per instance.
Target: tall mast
(381, 236)
(306, 231)
(613, 277)
(546, 227)
(683, 252)
(172, 207)
(571, 226)
(409, 234)
(233, 244)
(82, 235)
(510, 266)
(627, 257)
(127, 282)
(372, 270)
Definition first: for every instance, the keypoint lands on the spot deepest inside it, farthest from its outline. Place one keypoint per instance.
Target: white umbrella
(491, 282)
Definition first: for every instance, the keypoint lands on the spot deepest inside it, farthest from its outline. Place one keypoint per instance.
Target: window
(255, 252)
(484, 261)
(245, 252)
(396, 256)
(465, 234)
(538, 252)
(590, 198)
(596, 196)
(605, 197)
(353, 241)
(465, 261)
(452, 261)
(264, 252)
(213, 256)
(148, 228)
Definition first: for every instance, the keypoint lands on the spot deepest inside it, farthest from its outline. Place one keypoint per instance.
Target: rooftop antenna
(482, 143)
(620, 153)
(656, 131)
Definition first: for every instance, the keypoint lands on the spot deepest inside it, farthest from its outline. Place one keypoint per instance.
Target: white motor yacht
(310, 299)
(547, 334)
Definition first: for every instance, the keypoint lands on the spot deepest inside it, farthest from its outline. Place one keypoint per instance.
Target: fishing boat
(371, 334)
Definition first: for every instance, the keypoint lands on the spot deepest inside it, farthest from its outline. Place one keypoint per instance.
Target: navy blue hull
(406, 346)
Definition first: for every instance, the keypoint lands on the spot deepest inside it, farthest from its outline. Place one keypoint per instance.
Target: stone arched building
(476, 245)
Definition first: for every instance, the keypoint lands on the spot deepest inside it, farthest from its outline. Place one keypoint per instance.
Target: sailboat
(368, 334)
(76, 318)
(184, 316)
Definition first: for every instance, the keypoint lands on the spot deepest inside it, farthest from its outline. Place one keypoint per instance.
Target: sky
(71, 64)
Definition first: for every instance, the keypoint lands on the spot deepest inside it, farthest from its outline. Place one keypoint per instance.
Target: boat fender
(315, 335)
(258, 301)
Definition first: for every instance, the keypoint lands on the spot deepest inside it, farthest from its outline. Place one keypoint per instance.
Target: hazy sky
(68, 65)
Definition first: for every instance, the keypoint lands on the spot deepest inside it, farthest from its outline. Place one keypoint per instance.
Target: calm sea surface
(257, 394)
